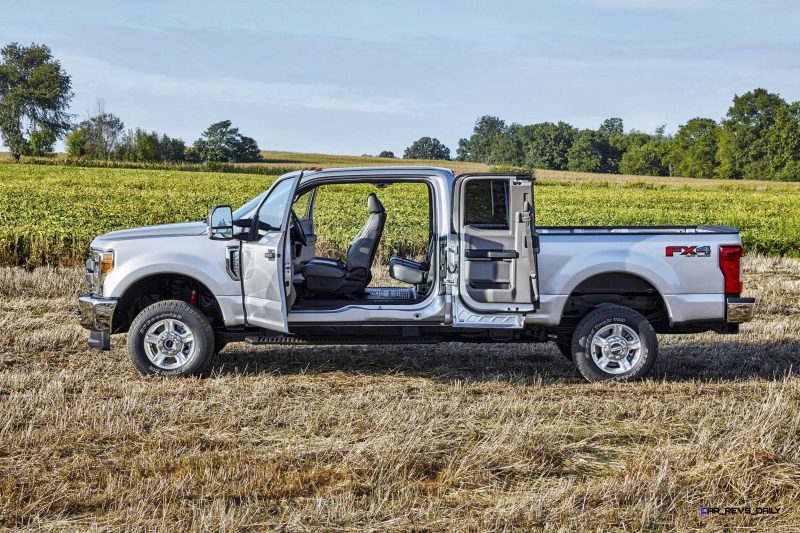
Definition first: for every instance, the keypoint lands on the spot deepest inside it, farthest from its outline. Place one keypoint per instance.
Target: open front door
(266, 260)
(497, 247)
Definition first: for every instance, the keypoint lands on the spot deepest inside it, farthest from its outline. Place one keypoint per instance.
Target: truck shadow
(518, 363)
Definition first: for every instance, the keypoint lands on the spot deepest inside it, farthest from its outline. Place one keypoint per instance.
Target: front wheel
(614, 343)
(171, 338)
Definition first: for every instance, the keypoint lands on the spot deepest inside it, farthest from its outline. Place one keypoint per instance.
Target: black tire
(601, 320)
(219, 345)
(188, 318)
(564, 348)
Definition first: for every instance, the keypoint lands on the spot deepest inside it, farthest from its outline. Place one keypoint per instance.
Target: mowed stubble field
(448, 437)
(465, 437)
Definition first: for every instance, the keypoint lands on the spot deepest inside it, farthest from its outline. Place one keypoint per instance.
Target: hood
(162, 230)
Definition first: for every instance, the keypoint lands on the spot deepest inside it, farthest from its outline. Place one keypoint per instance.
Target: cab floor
(372, 295)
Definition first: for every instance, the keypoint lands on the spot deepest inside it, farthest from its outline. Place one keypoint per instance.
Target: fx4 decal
(689, 251)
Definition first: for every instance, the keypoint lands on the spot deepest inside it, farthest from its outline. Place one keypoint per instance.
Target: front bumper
(95, 314)
(739, 310)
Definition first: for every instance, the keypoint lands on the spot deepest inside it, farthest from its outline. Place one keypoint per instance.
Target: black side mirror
(220, 223)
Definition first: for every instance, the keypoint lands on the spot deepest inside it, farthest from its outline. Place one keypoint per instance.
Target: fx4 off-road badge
(689, 251)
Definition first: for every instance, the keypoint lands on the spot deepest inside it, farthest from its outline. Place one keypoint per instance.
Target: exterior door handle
(271, 255)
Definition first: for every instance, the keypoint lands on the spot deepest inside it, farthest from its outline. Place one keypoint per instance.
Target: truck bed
(636, 230)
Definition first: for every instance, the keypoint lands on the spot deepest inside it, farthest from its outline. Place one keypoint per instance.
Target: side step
(296, 341)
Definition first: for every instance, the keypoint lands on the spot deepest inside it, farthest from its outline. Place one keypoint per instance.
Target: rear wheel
(614, 343)
(171, 338)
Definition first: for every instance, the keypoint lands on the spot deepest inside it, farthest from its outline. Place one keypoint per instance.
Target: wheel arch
(160, 286)
(619, 287)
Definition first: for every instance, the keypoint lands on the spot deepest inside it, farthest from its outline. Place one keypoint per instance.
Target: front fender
(210, 271)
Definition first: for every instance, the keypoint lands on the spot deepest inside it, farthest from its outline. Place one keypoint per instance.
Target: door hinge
(451, 277)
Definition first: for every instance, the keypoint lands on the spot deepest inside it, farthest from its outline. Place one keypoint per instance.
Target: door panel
(262, 276)
(495, 230)
(267, 264)
(489, 264)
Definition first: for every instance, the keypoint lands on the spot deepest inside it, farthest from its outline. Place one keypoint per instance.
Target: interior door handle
(271, 255)
(492, 255)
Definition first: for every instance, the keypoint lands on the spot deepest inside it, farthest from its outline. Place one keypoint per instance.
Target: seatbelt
(532, 246)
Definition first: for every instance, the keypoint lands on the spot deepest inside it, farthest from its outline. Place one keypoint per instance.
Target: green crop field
(51, 213)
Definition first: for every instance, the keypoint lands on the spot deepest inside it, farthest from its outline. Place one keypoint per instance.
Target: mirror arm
(252, 234)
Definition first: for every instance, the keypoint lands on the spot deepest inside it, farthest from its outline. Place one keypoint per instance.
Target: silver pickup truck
(183, 291)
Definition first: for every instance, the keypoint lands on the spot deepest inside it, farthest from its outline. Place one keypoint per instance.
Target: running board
(294, 341)
(467, 319)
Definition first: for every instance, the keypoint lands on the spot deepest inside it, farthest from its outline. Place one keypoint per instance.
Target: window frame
(493, 207)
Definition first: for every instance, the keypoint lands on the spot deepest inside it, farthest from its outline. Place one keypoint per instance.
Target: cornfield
(51, 213)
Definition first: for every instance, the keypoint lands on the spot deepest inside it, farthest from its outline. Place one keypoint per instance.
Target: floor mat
(390, 293)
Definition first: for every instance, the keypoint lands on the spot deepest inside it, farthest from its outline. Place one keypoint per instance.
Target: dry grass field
(449, 437)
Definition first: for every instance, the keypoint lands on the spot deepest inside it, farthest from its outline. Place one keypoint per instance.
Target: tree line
(103, 136)
(759, 138)
(35, 93)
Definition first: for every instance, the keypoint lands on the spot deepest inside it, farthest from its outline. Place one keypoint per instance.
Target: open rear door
(497, 273)
(266, 260)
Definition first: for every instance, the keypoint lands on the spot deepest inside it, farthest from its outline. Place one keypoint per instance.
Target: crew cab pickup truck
(183, 291)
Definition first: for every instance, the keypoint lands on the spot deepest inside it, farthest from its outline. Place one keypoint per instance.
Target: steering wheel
(296, 230)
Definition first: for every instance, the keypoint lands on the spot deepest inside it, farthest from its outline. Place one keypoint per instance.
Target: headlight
(102, 262)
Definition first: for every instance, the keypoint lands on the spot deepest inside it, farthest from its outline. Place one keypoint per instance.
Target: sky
(358, 77)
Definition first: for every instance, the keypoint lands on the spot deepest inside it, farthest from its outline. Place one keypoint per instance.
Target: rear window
(486, 203)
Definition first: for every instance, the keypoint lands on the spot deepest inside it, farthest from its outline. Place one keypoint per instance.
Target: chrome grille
(91, 267)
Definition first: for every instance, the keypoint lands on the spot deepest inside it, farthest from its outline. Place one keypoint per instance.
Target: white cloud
(86, 71)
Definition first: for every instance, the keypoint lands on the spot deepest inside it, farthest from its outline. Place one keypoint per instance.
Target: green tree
(507, 148)
(34, 97)
(783, 144)
(631, 140)
(222, 142)
(101, 133)
(387, 154)
(246, 150)
(743, 138)
(172, 150)
(140, 145)
(693, 150)
(612, 125)
(146, 146)
(479, 147)
(588, 152)
(427, 148)
(546, 145)
(650, 159)
(464, 150)
(41, 142)
(75, 143)
(611, 135)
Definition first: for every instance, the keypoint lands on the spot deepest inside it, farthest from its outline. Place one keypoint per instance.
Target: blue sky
(357, 77)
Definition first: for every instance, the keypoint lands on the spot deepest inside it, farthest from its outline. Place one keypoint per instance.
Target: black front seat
(332, 275)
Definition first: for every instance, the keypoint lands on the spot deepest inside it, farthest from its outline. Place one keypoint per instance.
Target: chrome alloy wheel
(616, 348)
(169, 344)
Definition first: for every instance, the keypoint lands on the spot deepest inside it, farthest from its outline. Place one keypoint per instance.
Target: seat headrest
(373, 204)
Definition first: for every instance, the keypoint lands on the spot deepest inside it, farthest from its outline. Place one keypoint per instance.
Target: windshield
(247, 208)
